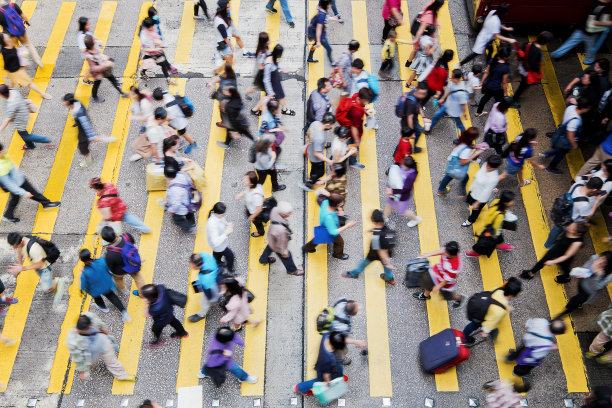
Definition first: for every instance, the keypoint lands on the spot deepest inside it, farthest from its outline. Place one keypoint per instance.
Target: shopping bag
(321, 236)
(325, 394)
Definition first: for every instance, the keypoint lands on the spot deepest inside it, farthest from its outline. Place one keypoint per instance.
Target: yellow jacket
(388, 49)
(495, 313)
(495, 217)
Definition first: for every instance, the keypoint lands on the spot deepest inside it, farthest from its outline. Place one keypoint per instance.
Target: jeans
(440, 114)
(387, 273)
(30, 139)
(306, 386)
(287, 262)
(470, 328)
(327, 47)
(112, 297)
(334, 8)
(185, 222)
(284, 6)
(418, 130)
(447, 179)
(353, 159)
(46, 277)
(229, 258)
(135, 222)
(176, 325)
(14, 199)
(196, 8)
(558, 154)
(554, 233)
(577, 37)
(235, 369)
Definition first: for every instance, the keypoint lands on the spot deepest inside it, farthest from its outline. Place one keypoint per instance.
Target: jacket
(116, 204)
(238, 309)
(78, 345)
(538, 342)
(11, 178)
(495, 313)
(162, 310)
(594, 284)
(495, 217)
(178, 198)
(278, 235)
(215, 233)
(96, 280)
(207, 277)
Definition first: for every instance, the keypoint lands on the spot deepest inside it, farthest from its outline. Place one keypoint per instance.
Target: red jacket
(109, 197)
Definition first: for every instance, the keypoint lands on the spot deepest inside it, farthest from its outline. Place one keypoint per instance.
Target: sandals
(289, 112)
(526, 274)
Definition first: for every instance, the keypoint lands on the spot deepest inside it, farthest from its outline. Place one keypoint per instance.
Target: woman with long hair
(438, 76)
(265, 160)
(261, 53)
(400, 198)
(218, 230)
(237, 306)
(272, 80)
(516, 154)
(224, 49)
(15, 67)
(464, 153)
(233, 109)
(253, 201)
(429, 17)
(153, 49)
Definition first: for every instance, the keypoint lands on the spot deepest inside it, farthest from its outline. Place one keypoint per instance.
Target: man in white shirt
(482, 187)
(177, 119)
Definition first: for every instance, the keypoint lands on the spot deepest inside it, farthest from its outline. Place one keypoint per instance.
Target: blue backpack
(184, 103)
(373, 84)
(401, 103)
(129, 254)
(14, 23)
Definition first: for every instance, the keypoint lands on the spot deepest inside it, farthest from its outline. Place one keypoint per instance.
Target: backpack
(416, 24)
(479, 303)
(390, 236)
(129, 253)
(401, 103)
(326, 317)
(561, 212)
(184, 103)
(268, 204)
(343, 110)
(14, 22)
(52, 253)
(177, 298)
(195, 199)
(372, 81)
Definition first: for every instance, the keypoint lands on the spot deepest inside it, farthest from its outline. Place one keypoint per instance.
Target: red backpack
(344, 109)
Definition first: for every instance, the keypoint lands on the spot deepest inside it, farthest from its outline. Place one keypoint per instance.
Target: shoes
(52, 204)
(312, 60)
(98, 99)
(248, 54)
(251, 379)
(102, 309)
(469, 341)
(417, 150)
(194, 318)
(340, 19)
(13, 220)
(414, 223)
(554, 171)
(135, 292)
(171, 81)
(176, 335)
(280, 187)
(223, 145)
(391, 282)
(472, 254)
(155, 344)
(271, 10)
(441, 193)
(305, 187)
(125, 316)
(85, 163)
(466, 223)
(346, 360)
(505, 247)
(457, 303)
(526, 274)
(305, 250)
(9, 301)
(291, 24)
(190, 148)
(201, 375)
(297, 272)
(25, 147)
(295, 389)
(108, 139)
(342, 257)
(124, 95)
(349, 276)
(129, 378)
(135, 157)
(87, 82)
(358, 166)
(258, 236)
(420, 296)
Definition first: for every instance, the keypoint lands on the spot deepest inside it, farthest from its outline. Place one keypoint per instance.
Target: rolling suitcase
(414, 271)
(443, 351)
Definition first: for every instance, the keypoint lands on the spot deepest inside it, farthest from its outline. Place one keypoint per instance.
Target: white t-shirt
(456, 99)
(491, 26)
(231, 30)
(483, 184)
(338, 146)
(156, 134)
(254, 198)
(357, 85)
(569, 114)
(81, 39)
(177, 120)
(607, 183)
(144, 108)
(581, 209)
(473, 81)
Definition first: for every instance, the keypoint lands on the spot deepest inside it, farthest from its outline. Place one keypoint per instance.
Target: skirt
(20, 78)
(421, 62)
(400, 206)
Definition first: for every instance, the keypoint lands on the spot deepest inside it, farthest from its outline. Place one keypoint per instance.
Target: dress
(421, 59)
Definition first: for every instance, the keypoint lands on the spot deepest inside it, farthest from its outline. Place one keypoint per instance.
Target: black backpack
(268, 204)
(561, 212)
(479, 303)
(390, 236)
(52, 253)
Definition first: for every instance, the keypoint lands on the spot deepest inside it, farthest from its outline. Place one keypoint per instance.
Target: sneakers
(457, 303)
(155, 344)
(305, 187)
(129, 378)
(194, 318)
(340, 19)
(312, 60)
(271, 10)
(505, 247)
(108, 139)
(444, 192)
(86, 162)
(420, 296)
(223, 145)
(342, 257)
(87, 82)
(201, 375)
(280, 187)
(125, 316)
(391, 282)
(291, 24)
(248, 54)
(13, 220)
(358, 166)
(346, 360)
(466, 223)
(472, 254)
(135, 157)
(190, 148)
(296, 390)
(176, 335)
(8, 301)
(136, 293)
(251, 379)
(102, 309)
(348, 275)
(52, 204)
(25, 147)
(414, 223)
(98, 99)
(297, 272)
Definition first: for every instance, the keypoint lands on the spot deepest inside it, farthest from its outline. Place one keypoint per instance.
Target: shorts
(511, 169)
(19, 78)
(182, 131)
(46, 277)
(428, 284)
(220, 54)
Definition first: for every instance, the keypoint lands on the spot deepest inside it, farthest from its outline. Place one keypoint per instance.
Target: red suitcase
(443, 351)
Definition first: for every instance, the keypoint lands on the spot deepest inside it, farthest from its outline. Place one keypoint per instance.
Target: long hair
(434, 7)
(277, 52)
(528, 135)
(224, 15)
(445, 59)
(262, 43)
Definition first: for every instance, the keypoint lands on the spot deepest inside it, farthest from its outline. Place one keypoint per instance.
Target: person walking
(561, 253)
(442, 277)
(176, 117)
(344, 311)
(97, 282)
(253, 201)
(498, 307)
(220, 358)
(438, 76)
(400, 187)
(495, 80)
(159, 305)
(150, 144)
(496, 125)
(285, 6)
(207, 283)
(317, 32)
(16, 66)
(601, 346)
(261, 53)
(426, 18)
(328, 366)
(5, 300)
(265, 161)
(454, 103)
(350, 114)
(494, 221)
(197, 4)
(18, 112)
(387, 54)
(183, 200)
(602, 153)
(237, 306)
(412, 109)
(482, 187)
(142, 110)
(122, 258)
(519, 151)
(11, 11)
(153, 49)
(279, 235)
(392, 15)
(382, 243)
(233, 108)
(318, 103)
(218, 231)
(342, 68)
(112, 208)
(100, 66)
(272, 79)
(423, 58)
(32, 255)
(530, 67)
(315, 152)
(226, 30)
(459, 161)
(90, 340)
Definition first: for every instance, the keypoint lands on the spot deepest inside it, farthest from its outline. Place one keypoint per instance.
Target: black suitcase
(414, 271)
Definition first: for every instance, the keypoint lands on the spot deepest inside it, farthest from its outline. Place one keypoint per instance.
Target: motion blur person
(279, 235)
(160, 307)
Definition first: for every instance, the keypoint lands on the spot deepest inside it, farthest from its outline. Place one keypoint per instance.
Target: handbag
(392, 20)
(336, 78)
(321, 236)
(278, 138)
(416, 24)
(493, 138)
(510, 221)
(559, 138)
(326, 394)
(487, 241)
(197, 175)
(455, 169)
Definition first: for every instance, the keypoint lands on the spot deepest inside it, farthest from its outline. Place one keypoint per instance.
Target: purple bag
(278, 138)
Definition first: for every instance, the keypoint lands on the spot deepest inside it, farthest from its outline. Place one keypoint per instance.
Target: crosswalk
(379, 312)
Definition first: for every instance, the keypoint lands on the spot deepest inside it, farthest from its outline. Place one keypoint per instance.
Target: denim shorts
(46, 277)
(219, 54)
(511, 169)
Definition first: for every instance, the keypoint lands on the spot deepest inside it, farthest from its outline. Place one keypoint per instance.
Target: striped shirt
(446, 270)
(17, 110)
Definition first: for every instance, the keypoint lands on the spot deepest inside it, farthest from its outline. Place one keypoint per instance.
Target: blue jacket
(207, 278)
(96, 279)
(161, 310)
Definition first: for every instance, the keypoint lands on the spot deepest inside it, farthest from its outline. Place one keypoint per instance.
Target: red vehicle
(531, 11)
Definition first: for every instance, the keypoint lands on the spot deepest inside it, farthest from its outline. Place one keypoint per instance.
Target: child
(86, 133)
(388, 53)
(473, 80)
(404, 147)
(424, 56)
(453, 103)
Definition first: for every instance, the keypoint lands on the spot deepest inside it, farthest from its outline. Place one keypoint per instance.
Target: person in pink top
(392, 13)
(427, 17)
(237, 306)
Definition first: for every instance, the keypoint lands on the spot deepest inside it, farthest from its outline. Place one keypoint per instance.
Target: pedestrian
(279, 235)
(599, 397)
(473, 80)
(565, 138)
(272, 79)
(220, 357)
(265, 160)
(183, 200)
(153, 49)
(237, 305)
(495, 80)
(233, 109)
(17, 30)
(388, 54)
(331, 208)
(538, 342)
(530, 67)
(156, 131)
(359, 76)
(427, 17)
(504, 394)
(437, 78)
(122, 258)
(271, 128)
(285, 6)
(496, 125)
(404, 146)
(399, 191)
(86, 134)
(339, 148)
(15, 65)
(226, 30)
(13, 181)
(588, 88)
(34, 253)
(459, 161)
(350, 114)
(5, 300)
(315, 150)
(410, 112)
(226, 79)
(153, 15)
(342, 68)
(335, 183)
(491, 30)
(393, 17)
(159, 305)
(207, 283)
(112, 208)
(317, 32)
(197, 4)
(100, 66)
(497, 307)
(596, 21)
(328, 366)
(90, 340)
(18, 112)
(442, 277)
(601, 346)
(176, 117)
(382, 243)
(261, 53)
(494, 221)
(254, 201)
(561, 253)
(601, 68)
(602, 153)
(218, 231)
(141, 108)
(482, 187)
(344, 311)
(423, 58)
(605, 175)
(453, 103)
(517, 152)
(96, 281)
(318, 103)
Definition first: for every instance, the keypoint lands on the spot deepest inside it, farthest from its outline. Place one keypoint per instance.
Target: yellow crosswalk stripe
(110, 172)
(131, 340)
(190, 360)
(27, 8)
(255, 337)
(26, 282)
(316, 262)
(376, 304)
